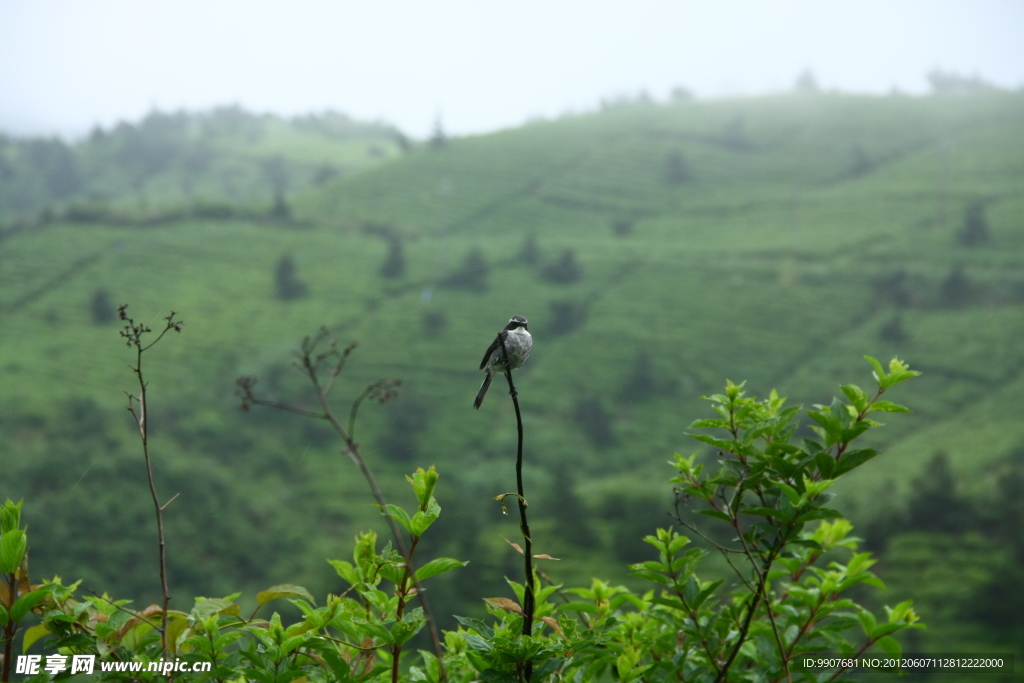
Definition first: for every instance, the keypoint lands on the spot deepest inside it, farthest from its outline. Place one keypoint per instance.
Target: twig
(133, 333)
(528, 597)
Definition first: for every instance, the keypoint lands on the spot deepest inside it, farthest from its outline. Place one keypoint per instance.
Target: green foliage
(356, 636)
(793, 595)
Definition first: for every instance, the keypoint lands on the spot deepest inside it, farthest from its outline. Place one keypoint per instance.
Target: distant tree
(530, 252)
(860, 162)
(623, 226)
(197, 157)
(280, 210)
(975, 229)
(564, 270)
(56, 164)
(734, 134)
(893, 330)
(101, 308)
(97, 134)
(394, 263)
(934, 503)
(806, 83)
(406, 422)
(573, 514)
(434, 322)
(956, 290)
(892, 287)
(438, 138)
(676, 170)
(566, 317)
(952, 83)
(325, 173)
(403, 141)
(641, 382)
(287, 284)
(275, 169)
(631, 515)
(681, 94)
(472, 274)
(596, 422)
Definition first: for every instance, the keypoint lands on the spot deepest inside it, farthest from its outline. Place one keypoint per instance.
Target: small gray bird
(518, 344)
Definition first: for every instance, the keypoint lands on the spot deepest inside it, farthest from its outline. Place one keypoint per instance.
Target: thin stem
(403, 588)
(528, 596)
(143, 420)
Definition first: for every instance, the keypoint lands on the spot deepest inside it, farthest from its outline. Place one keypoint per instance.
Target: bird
(518, 344)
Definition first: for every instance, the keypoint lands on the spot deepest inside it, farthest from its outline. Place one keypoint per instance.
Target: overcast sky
(480, 65)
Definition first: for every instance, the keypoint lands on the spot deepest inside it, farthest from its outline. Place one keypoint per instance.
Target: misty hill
(656, 250)
(225, 156)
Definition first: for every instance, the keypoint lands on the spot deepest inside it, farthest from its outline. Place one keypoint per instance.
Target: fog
(66, 66)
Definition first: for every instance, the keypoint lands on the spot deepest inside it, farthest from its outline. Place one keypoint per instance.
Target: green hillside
(656, 251)
(208, 161)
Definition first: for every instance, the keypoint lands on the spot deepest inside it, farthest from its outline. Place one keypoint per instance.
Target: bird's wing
(495, 345)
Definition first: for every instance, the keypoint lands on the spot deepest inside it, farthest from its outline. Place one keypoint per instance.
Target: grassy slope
(758, 267)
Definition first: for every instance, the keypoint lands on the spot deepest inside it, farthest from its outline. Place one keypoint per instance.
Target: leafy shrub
(795, 561)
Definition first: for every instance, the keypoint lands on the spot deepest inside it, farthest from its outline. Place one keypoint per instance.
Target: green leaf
(26, 602)
(888, 407)
(13, 545)
(890, 646)
(295, 641)
(438, 566)
(10, 516)
(423, 484)
(766, 512)
(477, 625)
(284, 590)
(717, 514)
(495, 676)
(422, 520)
(477, 643)
(206, 607)
(709, 423)
(410, 625)
(398, 514)
(791, 493)
(720, 444)
(826, 465)
(32, 635)
(345, 570)
(879, 373)
(851, 459)
(856, 396)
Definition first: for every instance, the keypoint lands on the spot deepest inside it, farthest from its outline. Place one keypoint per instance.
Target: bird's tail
(483, 390)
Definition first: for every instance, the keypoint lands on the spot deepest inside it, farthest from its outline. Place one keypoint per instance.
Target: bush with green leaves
(791, 593)
(795, 568)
